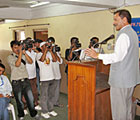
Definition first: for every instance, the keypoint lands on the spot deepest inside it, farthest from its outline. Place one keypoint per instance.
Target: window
(19, 35)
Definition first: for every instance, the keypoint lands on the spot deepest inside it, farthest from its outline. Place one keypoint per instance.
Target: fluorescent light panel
(11, 21)
(39, 4)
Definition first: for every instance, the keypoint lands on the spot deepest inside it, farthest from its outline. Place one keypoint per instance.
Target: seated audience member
(19, 77)
(5, 93)
(48, 86)
(4, 72)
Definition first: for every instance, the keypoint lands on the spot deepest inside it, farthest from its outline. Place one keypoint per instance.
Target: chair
(11, 107)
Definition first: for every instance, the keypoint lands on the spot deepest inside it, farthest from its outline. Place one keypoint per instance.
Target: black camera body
(26, 44)
(55, 48)
(38, 49)
(77, 44)
(93, 44)
(48, 46)
(51, 41)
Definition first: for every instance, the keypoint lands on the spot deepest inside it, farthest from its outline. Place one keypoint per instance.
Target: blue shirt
(5, 85)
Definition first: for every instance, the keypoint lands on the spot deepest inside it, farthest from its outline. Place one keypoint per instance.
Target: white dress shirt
(120, 51)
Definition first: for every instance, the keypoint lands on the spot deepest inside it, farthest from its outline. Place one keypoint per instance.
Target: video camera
(93, 44)
(55, 48)
(76, 42)
(26, 44)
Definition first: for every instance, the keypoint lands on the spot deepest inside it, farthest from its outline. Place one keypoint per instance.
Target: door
(41, 34)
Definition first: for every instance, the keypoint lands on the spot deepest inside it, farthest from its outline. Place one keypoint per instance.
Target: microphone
(107, 39)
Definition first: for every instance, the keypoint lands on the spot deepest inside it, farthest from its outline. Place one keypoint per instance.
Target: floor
(137, 117)
(62, 112)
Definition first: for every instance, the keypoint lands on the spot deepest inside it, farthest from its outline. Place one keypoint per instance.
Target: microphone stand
(76, 55)
(105, 41)
(100, 48)
(100, 43)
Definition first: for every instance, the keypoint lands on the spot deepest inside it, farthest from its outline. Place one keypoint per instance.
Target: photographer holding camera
(31, 69)
(19, 77)
(72, 53)
(45, 60)
(36, 48)
(69, 53)
(93, 43)
(56, 70)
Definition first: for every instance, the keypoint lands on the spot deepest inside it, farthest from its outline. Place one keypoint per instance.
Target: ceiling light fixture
(39, 4)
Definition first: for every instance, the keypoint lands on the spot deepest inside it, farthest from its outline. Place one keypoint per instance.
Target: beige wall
(63, 28)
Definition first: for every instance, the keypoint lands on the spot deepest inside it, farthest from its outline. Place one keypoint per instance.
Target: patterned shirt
(5, 86)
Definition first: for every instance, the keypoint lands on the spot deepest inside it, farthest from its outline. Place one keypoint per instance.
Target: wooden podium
(88, 91)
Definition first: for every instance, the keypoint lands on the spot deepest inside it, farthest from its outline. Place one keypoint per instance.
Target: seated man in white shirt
(5, 93)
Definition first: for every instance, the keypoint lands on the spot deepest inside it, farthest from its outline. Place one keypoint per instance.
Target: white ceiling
(27, 3)
(20, 9)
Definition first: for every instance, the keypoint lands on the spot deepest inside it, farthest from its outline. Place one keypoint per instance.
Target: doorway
(41, 34)
(19, 35)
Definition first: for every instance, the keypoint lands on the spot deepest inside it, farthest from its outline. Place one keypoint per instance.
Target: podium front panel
(81, 91)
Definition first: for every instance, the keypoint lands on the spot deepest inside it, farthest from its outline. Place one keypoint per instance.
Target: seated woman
(5, 93)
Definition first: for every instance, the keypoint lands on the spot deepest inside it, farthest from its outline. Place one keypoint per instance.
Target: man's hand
(51, 49)
(91, 52)
(8, 96)
(74, 48)
(54, 59)
(23, 51)
(18, 62)
(20, 49)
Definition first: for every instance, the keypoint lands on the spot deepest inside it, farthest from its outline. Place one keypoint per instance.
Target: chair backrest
(11, 108)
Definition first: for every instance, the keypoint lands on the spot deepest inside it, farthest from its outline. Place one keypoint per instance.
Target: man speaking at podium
(124, 71)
